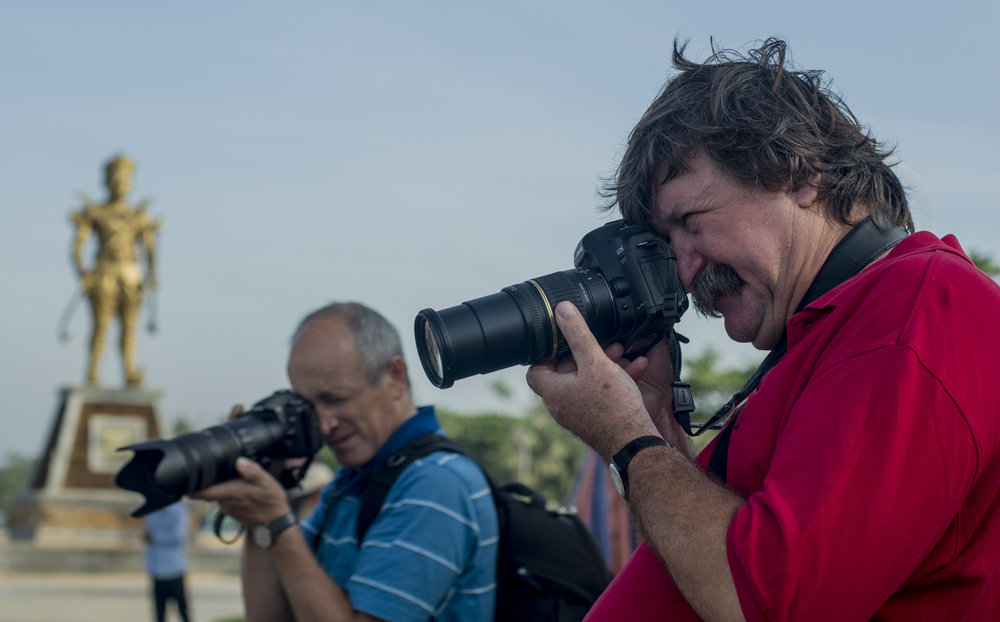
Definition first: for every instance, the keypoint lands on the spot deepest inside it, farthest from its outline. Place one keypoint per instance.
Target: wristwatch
(264, 536)
(619, 463)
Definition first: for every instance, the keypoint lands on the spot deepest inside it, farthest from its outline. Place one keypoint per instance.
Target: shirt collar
(353, 481)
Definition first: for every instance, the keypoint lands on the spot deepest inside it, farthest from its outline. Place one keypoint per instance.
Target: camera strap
(861, 246)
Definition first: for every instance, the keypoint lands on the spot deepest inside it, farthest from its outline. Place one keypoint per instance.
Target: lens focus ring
(531, 302)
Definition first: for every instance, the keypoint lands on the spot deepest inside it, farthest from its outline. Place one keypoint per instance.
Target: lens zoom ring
(560, 286)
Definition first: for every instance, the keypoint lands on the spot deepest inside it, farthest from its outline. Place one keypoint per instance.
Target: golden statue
(114, 284)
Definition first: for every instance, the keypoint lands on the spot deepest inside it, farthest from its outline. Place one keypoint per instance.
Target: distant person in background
(166, 557)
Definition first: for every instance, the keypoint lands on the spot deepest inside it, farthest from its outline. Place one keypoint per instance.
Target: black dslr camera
(625, 285)
(278, 427)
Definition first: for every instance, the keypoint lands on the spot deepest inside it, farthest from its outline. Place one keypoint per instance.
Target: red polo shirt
(869, 458)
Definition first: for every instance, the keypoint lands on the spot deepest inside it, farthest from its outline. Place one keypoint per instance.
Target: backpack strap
(386, 474)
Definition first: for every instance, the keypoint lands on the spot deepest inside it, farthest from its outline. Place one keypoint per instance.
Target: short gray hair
(376, 339)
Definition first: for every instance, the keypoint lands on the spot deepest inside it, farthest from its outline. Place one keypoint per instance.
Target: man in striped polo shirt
(430, 554)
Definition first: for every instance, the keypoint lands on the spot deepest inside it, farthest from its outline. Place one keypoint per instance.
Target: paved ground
(110, 597)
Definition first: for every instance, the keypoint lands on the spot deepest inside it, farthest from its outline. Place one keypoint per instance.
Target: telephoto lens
(283, 425)
(625, 285)
(515, 326)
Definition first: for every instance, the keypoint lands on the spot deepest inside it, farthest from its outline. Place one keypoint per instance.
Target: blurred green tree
(530, 448)
(14, 475)
(180, 426)
(985, 263)
(712, 385)
(711, 382)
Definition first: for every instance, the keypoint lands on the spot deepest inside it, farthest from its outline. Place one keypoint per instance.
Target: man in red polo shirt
(860, 477)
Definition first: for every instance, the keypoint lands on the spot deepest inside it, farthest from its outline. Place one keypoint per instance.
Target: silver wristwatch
(264, 536)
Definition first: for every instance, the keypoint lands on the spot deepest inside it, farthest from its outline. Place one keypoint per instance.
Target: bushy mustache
(715, 281)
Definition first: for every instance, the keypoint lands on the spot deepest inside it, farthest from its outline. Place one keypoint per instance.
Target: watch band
(618, 467)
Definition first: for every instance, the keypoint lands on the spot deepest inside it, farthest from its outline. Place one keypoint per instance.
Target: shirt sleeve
(870, 468)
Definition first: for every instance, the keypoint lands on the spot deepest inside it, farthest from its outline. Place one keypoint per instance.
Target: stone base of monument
(23, 557)
(205, 554)
(91, 519)
(72, 499)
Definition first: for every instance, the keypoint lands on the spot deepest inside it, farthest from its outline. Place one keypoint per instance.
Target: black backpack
(549, 566)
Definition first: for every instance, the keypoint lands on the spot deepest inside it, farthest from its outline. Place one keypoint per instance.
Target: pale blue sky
(404, 154)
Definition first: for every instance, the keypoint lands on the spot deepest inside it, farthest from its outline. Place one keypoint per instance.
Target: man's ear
(395, 375)
(806, 194)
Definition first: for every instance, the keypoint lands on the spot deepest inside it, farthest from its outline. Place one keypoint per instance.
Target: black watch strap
(618, 467)
(266, 535)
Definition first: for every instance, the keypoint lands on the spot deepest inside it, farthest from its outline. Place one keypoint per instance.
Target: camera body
(279, 427)
(625, 285)
(641, 274)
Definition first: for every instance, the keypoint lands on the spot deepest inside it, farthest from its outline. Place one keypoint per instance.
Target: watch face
(616, 478)
(262, 536)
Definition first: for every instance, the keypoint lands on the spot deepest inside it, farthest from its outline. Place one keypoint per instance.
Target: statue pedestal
(72, 500)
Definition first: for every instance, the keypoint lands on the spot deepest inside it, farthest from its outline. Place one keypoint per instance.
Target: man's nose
(327, 420)
(689, 262)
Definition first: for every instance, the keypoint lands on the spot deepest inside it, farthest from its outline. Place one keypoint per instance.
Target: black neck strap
(861, 246)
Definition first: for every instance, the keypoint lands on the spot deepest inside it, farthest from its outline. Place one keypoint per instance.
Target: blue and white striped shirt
(430, 554)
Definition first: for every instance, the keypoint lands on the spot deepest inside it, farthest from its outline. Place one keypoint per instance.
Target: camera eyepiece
(625, 285)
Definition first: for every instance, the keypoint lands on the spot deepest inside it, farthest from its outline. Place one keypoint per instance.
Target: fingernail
(566, 310)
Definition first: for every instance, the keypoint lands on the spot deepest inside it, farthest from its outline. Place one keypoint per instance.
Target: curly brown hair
(767, 125)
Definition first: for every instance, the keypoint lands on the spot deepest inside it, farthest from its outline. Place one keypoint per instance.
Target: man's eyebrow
(672, 213)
